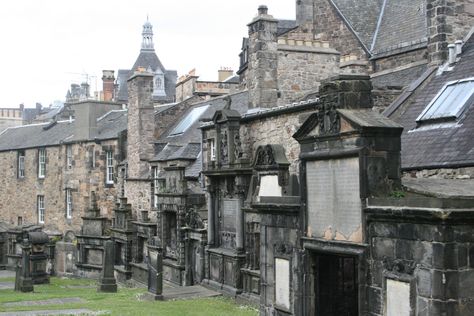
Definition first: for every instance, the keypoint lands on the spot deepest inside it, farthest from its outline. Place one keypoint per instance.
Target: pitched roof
(56, 133)
(435, 145)
(385, 26)
(147, 59)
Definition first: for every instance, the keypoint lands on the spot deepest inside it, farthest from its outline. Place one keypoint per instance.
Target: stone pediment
(270, 157)
(225, 115)
(331, 122)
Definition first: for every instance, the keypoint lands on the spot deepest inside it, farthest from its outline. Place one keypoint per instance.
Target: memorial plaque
(229, 212)
(398, 298)
(334, 196)
(269, 186)
(282, 283)
(94, 256)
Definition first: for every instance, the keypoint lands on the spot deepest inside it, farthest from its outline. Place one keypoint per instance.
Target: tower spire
(147, 42)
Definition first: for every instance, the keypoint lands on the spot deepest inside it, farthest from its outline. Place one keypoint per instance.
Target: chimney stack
(263, 60)
(224, 74)
(108, 87)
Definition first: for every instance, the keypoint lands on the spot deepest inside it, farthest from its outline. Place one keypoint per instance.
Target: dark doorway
(336, 286)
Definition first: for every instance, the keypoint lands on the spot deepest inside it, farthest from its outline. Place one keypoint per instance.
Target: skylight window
(450, 102)
(188, 120)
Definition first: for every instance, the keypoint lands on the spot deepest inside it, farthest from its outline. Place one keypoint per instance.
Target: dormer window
(450, 103)
(159, 84)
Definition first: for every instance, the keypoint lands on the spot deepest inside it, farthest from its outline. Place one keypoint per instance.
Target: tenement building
(55, 166)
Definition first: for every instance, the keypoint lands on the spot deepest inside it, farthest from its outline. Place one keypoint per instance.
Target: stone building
(392, 41)
(164, 81)
(189, 85)
(56, 165)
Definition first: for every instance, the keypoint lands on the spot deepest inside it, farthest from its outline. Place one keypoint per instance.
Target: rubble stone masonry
(18, 196)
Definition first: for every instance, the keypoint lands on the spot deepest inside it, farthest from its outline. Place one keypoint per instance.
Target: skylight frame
(451, 115)
(188, 120)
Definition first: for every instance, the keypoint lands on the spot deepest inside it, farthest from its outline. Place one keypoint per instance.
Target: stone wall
(302, 67)
(274, 130)
(185, 88)
(328, 26)
(398, 60)
(81, 178)
(430, 257)
(448, 21)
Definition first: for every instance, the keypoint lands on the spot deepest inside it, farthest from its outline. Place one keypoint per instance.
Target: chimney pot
(262, 10)
(458, 44)
(452, 54)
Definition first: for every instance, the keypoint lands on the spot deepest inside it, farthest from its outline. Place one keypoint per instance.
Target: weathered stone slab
(230, 207)
(282, 282)
(53, 301)
(183, 293)
(334, 205)
(398, 298)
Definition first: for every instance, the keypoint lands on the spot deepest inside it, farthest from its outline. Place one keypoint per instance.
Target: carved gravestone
(24, 281)
(155, 269)
(107, 282)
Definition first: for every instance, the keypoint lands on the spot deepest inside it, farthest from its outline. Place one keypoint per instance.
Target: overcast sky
(47, 45)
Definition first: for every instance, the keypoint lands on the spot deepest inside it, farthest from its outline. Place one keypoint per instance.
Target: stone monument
(107, 282)
(24, 281)
(155, 269)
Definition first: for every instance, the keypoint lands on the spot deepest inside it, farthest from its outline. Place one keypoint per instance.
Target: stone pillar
(239, 226)
(211, 209)
(25, 283)
(155, 269)
(263, 60)
(107, 282)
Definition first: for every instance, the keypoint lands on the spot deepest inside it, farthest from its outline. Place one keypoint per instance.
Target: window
(212, 149)
(68, 204)
(20, 221)
(21, 164)
(41, 163)
(40, 202)
(188, 120)
(450, 102)
(109, 167)
(69, 156)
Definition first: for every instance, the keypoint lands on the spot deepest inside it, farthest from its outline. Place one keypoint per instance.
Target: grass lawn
(124, 302)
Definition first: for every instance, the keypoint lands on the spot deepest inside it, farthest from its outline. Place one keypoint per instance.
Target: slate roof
(285, 26)
(187, 146)
(147, 59)
(400, 78)
(51, 134)
(385, 25)
(449, 144)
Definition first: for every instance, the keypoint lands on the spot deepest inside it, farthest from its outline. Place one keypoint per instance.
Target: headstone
(25, 283)
(155, 269)
(107, 282)
(230, 207)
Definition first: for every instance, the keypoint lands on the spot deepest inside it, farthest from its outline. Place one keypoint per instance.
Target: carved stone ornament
(265, 156)
(329, 121)
(224, 148)
(238, 152)
(399, 266)
(282, 249)
(193, 219)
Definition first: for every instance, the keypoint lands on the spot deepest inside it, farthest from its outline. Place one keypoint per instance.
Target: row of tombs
(329, 240)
